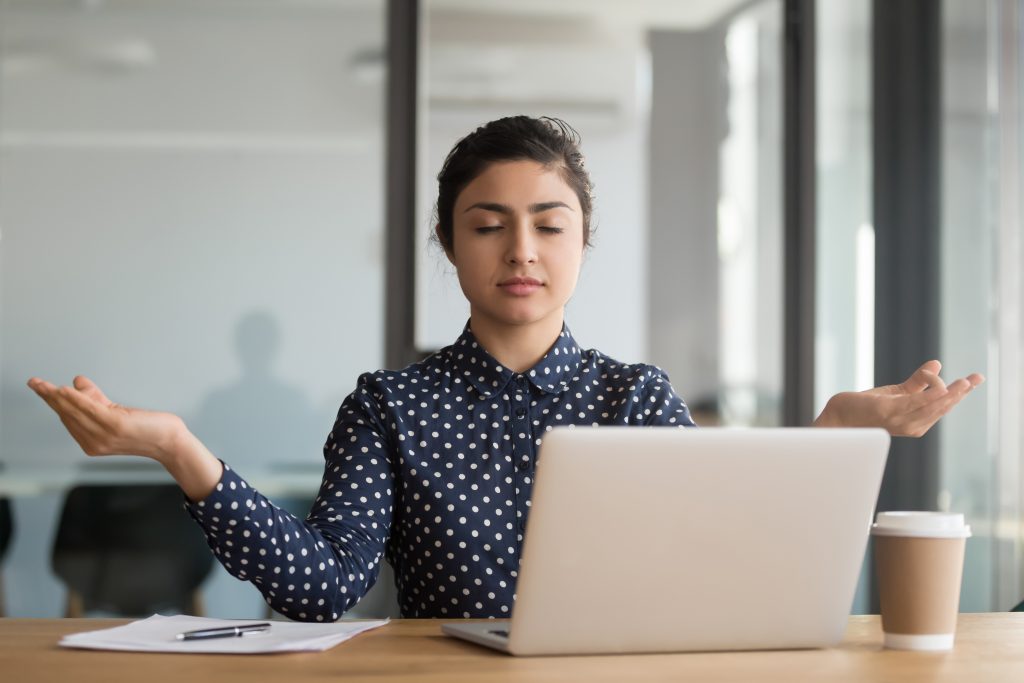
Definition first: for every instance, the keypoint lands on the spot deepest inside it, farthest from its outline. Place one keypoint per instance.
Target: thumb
(924, 377)
(87, 387)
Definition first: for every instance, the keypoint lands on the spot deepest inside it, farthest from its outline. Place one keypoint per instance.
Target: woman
(432, 466)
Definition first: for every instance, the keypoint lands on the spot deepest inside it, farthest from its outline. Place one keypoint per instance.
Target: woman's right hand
(102, 427)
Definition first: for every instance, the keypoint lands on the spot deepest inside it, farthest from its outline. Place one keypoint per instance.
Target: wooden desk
(990, 647)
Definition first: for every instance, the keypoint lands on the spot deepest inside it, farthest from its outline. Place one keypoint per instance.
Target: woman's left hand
(906, 409)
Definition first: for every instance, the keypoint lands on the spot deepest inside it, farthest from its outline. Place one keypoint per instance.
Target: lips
(520, 286)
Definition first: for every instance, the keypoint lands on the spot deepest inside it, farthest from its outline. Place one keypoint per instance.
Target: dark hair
(548, 141)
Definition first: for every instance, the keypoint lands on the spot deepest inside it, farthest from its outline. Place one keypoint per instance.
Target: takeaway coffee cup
(919, 561)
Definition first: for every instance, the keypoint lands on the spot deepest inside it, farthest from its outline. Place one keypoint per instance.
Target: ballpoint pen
(225, 631)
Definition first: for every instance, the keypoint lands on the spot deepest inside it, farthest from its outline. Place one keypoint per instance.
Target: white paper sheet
(159, 634)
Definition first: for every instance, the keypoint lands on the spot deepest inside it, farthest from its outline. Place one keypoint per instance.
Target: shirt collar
(551, 374)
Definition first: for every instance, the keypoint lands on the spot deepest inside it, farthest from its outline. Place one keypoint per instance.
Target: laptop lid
(664, 540)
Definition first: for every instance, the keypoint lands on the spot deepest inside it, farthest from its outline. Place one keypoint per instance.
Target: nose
(522, 247)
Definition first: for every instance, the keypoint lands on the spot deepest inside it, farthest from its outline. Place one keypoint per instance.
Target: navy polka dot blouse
(432, 469)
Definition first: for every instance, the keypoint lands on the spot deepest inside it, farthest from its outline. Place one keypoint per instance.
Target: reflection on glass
(684, 146)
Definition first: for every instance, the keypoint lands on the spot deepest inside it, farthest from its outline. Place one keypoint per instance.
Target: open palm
(906, 409)
(102, 427)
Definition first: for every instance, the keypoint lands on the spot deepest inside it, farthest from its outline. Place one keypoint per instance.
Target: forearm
(311, 570)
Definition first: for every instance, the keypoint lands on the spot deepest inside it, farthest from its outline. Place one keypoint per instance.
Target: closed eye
(550, 230)
(485, 229)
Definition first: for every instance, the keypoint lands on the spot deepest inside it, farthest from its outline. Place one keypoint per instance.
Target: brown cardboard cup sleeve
(919, 560)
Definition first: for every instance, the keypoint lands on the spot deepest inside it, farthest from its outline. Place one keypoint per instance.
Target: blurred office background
(197, 211)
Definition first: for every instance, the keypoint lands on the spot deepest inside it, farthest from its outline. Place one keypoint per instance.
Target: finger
(906, 405)
(47, 392)
(76, 429)
(960, 386)
(934, 382)
(83, 405)
(89, 388)
(917, 423)
(60, 402)
(923, 378)
(904, 415)
(84, 420)
(69, 403)
(86, 437)
(84, 430)
(40, 385)
(976, 379)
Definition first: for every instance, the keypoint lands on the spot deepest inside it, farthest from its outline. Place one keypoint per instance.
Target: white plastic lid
(923, 524)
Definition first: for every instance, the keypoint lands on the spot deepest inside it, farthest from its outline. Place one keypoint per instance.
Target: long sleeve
(659, 405)
(313, 569)
(433, 466)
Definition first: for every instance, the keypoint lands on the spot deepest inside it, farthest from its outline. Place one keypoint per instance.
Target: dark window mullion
(799, 210)
(400, 183)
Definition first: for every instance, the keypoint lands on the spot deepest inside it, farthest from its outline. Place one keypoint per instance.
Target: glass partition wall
(750, 236)
(980, 294)
(845, 259)
(982, 291)
(679, 109)
(191, 210)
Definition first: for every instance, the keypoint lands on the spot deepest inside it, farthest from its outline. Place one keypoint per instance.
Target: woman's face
(517, 244)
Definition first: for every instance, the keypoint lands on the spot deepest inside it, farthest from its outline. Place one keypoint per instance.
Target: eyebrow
(506, 209)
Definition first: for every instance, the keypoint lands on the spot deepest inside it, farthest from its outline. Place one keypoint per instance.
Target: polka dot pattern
(430, 468)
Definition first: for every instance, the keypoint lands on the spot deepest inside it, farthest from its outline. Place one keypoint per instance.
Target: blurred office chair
(6, 534)
(1019, 607)
(130, 550)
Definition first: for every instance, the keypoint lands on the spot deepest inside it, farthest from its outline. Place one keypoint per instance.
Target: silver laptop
(670, 540)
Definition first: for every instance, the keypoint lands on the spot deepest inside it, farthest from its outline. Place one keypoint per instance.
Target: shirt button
(522, 523)
(520, 412)
(523, 465)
